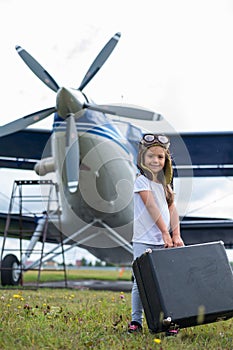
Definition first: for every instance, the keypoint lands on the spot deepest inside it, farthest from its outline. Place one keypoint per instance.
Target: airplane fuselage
(104, 190)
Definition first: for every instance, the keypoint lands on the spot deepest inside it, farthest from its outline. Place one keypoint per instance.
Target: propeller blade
(100, 59)
(127, 111)
(37, 69)
(72, 154)
(22, 123)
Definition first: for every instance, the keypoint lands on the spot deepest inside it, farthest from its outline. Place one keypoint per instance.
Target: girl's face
(154, 159)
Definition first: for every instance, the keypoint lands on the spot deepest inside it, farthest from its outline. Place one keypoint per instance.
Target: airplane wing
(196, 230)
(211, 153)
(193, 229)
(208, 153)
(23, 149)
(27, 225)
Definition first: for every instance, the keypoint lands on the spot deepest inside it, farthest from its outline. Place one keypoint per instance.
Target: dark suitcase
(185, 286)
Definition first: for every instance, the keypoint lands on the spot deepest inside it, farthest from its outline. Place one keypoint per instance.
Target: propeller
(70, 105)
(100, 59)
(72, 154)
(48, 80)
(22, 123)
(37, 69)
(73, 101)
(126, 111)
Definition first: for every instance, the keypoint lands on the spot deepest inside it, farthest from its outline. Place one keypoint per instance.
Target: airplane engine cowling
(45, 166)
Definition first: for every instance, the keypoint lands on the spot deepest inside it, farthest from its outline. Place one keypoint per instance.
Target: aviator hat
(150, 140)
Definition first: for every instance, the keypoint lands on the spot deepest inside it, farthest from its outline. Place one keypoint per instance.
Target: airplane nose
(69, 101)
(106, 189)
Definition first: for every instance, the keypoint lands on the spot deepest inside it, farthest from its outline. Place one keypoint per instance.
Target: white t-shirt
(145, 230)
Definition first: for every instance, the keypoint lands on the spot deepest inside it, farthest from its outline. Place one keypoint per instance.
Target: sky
(174, 57)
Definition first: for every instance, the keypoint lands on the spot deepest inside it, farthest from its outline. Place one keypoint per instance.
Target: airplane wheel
(10, 271)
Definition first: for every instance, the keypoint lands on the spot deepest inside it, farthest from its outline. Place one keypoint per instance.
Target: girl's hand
(177, 241)
(167, 240)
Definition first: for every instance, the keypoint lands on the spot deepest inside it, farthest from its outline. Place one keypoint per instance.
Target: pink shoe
(134, 327)
(172, 332)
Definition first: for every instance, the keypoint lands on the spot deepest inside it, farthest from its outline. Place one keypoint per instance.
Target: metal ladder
(41, 196)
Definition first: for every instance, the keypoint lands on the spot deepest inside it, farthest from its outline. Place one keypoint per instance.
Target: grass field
(70, 319)
(78, 319)
(58, 275)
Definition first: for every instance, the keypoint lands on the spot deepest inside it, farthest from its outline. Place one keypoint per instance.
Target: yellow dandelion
(16, 296)
(157, 340)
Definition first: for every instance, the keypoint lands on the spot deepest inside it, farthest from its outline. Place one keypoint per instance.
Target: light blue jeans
(137, 308)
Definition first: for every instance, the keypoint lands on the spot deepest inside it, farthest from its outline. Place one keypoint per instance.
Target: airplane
(92, 159)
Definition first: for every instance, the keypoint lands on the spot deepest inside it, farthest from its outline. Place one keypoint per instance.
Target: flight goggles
(150, 139)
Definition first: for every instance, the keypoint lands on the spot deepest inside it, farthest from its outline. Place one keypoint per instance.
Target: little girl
(156, 221)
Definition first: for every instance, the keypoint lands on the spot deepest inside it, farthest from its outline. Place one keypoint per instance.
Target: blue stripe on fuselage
(107, 136)
(107, 132)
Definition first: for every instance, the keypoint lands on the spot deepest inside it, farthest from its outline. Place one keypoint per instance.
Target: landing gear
(10, 271)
